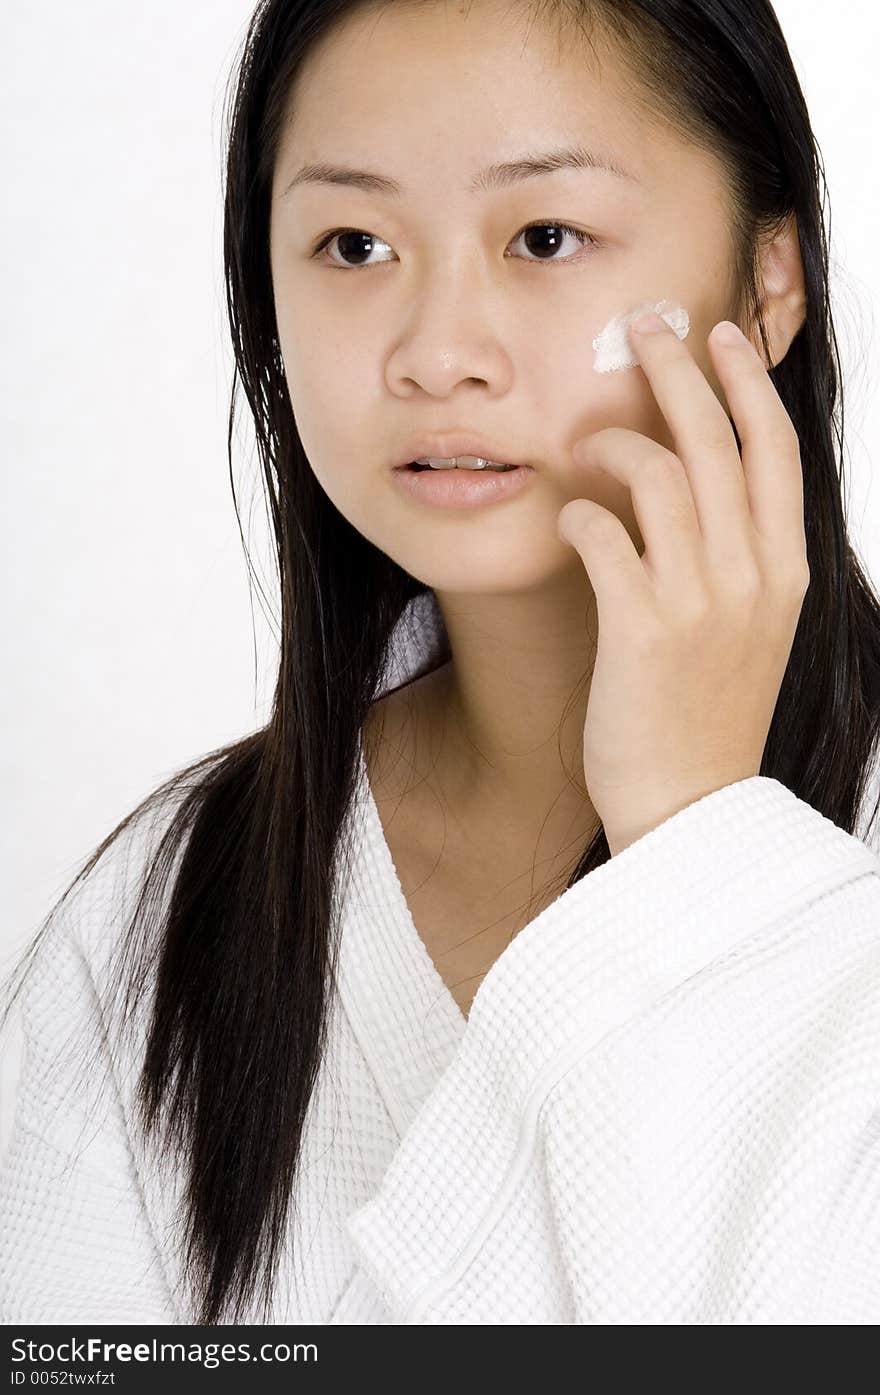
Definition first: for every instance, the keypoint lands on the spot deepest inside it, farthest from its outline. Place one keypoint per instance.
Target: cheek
(327, 389)
(624, 397)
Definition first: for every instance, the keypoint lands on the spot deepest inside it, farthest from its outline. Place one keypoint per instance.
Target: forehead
(438, 91)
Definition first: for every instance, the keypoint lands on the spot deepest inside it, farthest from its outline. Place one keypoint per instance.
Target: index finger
(701, 430)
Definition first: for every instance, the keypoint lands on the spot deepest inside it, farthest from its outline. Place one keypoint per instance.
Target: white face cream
(612, 346)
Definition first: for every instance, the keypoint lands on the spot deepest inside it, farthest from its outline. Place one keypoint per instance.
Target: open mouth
(472, 470)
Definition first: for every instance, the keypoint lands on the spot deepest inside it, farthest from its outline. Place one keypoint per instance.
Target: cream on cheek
(612, 346)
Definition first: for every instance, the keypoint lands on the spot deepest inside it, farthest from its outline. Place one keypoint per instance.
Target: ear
(783, 294)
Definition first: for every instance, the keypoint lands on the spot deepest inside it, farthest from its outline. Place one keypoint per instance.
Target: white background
(132, 642)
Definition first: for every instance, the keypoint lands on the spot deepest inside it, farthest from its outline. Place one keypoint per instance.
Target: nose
(453, 334)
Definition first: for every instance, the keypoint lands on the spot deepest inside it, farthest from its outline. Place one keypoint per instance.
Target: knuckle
(799, 581)
(661, 466)
(694, 613)
(681, 504)
(746, 583)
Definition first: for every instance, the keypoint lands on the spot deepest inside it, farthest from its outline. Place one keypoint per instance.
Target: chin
(515, 572)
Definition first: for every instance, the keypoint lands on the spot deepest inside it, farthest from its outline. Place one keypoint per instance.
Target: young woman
(525, 967)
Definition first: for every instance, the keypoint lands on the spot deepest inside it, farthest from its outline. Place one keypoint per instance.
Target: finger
(613, 566)
(771, 456)
(662, 500)
(704, 441)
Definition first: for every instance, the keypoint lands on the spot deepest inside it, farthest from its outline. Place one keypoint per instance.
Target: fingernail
(726, 332)
(649, 323)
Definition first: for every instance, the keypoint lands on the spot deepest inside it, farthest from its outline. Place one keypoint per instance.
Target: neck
(497, 732)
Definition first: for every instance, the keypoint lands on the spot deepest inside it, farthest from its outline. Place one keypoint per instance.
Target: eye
(553, 236)
(354, 242)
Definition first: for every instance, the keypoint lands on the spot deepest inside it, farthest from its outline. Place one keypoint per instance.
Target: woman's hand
(694, 635)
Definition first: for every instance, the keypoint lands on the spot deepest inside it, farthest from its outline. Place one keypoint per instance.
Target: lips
(462, 489)
(445, 447)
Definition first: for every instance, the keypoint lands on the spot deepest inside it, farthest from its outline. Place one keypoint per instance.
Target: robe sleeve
(76, 1245)
(666, 1103)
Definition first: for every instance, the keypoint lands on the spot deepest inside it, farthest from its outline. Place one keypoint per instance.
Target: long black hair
(240, 959)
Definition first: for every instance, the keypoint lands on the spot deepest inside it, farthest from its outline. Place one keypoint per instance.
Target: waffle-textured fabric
(664, 1106)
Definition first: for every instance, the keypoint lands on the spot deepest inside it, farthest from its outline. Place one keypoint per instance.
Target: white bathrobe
(663, 1108)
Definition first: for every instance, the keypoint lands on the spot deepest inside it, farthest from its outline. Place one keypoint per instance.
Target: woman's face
(449, 318)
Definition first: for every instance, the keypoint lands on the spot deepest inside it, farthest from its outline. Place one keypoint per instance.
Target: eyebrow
(498, 176)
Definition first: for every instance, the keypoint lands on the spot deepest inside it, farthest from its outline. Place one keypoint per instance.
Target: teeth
(462, 462)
